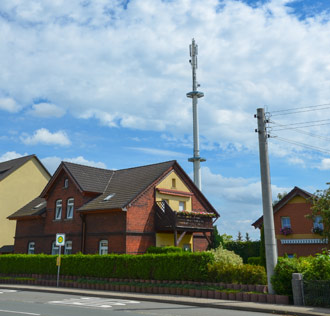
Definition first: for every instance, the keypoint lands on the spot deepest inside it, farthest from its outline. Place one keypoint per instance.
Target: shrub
(244, 274)
(319, 267)
(168, 249)
(281, 280)
(226, 257)
(256, 261)
(245, 249)
(172, 266)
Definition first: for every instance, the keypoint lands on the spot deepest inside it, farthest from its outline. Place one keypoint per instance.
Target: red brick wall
(200, 242)
(141, 219)
(43, 231)
(300, 225)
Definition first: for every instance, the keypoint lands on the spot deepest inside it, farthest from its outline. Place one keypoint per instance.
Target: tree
(216, 239)
(239, 236)
(321, 207)
(280, 196)
(247, 237)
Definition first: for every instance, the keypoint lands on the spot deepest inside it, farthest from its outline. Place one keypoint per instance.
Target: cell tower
(194, 95)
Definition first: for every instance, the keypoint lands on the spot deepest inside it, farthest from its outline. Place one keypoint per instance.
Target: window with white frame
(68, 247)
(55, 249)
(66, 183)
(182, 206)
(318, 222)
(69, 208)
(103, 247)
(31, 247)
(58, 209)
(285, 222)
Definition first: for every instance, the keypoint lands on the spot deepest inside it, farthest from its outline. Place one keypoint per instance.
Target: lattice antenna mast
(195, 95)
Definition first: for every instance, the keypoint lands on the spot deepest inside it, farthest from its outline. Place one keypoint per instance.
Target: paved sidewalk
(184, 300)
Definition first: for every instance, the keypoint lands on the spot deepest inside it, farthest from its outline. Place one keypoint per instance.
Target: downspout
(83, 232)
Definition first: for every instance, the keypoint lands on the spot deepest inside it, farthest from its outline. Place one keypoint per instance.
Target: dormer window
(109, 197)
(66, 183)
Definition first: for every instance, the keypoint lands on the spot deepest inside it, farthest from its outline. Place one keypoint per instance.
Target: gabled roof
(293, 193)
(8, 167)
(87, 179)
(116, 188)
(126, 184)
(34, 208)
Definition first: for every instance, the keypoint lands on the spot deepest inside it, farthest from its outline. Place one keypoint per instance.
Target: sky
(104, 83)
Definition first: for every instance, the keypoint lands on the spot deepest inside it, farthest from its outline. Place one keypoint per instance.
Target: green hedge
(168, 249)
(312, 268)
(245, 249)
(256, 261)
(243, 274)
(172, 266)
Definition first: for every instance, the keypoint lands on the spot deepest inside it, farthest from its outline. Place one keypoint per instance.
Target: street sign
(60, 239)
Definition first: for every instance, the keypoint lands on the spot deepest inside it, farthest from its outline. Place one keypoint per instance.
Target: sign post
(60, 241)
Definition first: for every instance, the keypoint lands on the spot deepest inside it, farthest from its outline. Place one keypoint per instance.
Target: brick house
(21, 180)
(296, 234)
(116, 211)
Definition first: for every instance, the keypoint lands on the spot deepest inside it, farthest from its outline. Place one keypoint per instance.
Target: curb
(198, 302)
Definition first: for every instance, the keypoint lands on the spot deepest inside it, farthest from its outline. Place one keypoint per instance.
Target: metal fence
(317, 293)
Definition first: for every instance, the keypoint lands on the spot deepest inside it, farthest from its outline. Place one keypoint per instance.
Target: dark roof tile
(33, 208)
(7, 167)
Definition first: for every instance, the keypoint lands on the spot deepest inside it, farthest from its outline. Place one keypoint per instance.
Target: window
(103, 247)
(31, 247)
(285, 221)
(318, 222)
(182, 206)
(55, 249)
(68, 247)
(66, 183)
(58, 210)
(69, 208)
(173, 183)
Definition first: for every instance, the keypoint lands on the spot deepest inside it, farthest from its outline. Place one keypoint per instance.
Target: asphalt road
(28, 303)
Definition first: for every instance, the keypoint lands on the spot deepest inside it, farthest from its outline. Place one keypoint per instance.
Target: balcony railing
(167, 220)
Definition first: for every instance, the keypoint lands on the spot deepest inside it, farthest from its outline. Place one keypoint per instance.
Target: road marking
(93, 302)
(16, 312)
(7, 291)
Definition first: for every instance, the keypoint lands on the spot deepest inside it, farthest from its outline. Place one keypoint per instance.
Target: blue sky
(104, 83)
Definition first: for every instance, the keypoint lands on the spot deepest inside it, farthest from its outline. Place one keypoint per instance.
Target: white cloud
(46, 110)
(52, 163)
(325, 164)
(9, 155)
(44, 136)
(159, 152)
(128, 67)
(9, 105)
(238, 201)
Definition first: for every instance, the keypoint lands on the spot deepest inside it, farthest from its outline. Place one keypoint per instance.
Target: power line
(302, 144)
(297, 127)
(301, 109)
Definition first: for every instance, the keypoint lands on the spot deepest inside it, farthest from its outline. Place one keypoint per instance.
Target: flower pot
(271, 298)
(198, 293)
(246, 297)
(282, 299)
(254, 297)
(210, 294)
(224, 295)
(262, 298)
(232, 296)
(239, 296)
(251, 287)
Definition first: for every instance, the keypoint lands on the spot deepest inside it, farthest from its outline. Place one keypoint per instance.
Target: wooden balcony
(168, 220)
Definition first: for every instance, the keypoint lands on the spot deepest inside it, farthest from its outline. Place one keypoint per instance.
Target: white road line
(7, 291)
(94, 302)
(16, 312)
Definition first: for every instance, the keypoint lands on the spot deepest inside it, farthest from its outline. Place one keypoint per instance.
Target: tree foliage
(321, 207)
